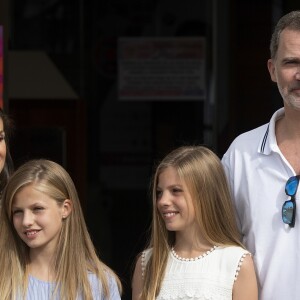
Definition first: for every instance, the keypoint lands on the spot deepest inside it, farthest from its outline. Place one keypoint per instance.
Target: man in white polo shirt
(259, 164)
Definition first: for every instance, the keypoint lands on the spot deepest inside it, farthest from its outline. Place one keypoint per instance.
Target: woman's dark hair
(8, 165)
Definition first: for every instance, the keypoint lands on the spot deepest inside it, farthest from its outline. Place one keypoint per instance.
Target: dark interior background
(60, 87)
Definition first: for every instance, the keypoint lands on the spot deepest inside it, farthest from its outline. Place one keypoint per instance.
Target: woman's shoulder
(144, 257)
(232, 250)
(231, 255)
(231, 258)
(147, 252)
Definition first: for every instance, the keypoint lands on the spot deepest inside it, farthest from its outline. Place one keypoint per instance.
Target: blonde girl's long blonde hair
(204, 176)
(75, 256)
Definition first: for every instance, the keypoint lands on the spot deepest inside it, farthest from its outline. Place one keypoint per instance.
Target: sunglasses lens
(291, 186)
(288, 212)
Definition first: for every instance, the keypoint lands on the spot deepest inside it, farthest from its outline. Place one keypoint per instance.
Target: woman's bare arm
(245, 287)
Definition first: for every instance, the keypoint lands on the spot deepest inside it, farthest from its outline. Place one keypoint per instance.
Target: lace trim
(143, 263)
(194, 258)
(239, 265)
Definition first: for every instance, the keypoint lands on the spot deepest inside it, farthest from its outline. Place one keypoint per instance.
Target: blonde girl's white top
(211, 277)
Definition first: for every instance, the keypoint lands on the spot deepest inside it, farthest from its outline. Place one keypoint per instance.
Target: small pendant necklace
(194, 258)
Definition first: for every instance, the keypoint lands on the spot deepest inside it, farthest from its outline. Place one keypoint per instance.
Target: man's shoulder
(250, 139)
(256, 133)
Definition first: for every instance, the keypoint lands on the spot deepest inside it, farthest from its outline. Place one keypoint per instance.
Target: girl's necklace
(194, 258)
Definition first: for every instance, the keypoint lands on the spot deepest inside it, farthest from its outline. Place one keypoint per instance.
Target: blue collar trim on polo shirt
(263, 144)
(268, 142)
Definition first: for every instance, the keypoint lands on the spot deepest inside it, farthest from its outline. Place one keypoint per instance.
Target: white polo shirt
(257, 172)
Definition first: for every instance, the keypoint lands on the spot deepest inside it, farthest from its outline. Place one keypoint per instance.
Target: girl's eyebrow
(15, 207)
(32, 205)
(171, 186)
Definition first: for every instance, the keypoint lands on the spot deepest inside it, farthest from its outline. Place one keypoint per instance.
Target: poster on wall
(1, 66)
(161, 68)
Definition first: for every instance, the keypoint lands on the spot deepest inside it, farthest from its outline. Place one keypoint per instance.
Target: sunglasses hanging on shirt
(289, 206)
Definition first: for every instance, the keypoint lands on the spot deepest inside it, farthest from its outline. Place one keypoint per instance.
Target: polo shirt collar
(268, 141)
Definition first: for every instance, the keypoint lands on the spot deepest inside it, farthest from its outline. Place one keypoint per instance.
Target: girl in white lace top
(195, 250)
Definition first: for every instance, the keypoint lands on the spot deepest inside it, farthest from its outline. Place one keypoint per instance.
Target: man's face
(285, 68)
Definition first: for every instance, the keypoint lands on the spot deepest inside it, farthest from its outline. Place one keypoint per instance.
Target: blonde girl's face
(38, 219)
(174, 202)
(2, 146)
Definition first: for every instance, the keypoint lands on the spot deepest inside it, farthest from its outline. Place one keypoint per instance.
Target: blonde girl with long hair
(195, 250)
(45, 249)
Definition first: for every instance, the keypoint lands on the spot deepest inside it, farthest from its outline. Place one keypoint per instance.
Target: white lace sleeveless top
(209, 278)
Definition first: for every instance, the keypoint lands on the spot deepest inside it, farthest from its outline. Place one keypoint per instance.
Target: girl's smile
(174, 201)
(31, 234)
(169, 215)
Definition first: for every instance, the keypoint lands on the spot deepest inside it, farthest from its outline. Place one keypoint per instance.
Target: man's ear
(271, 68)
